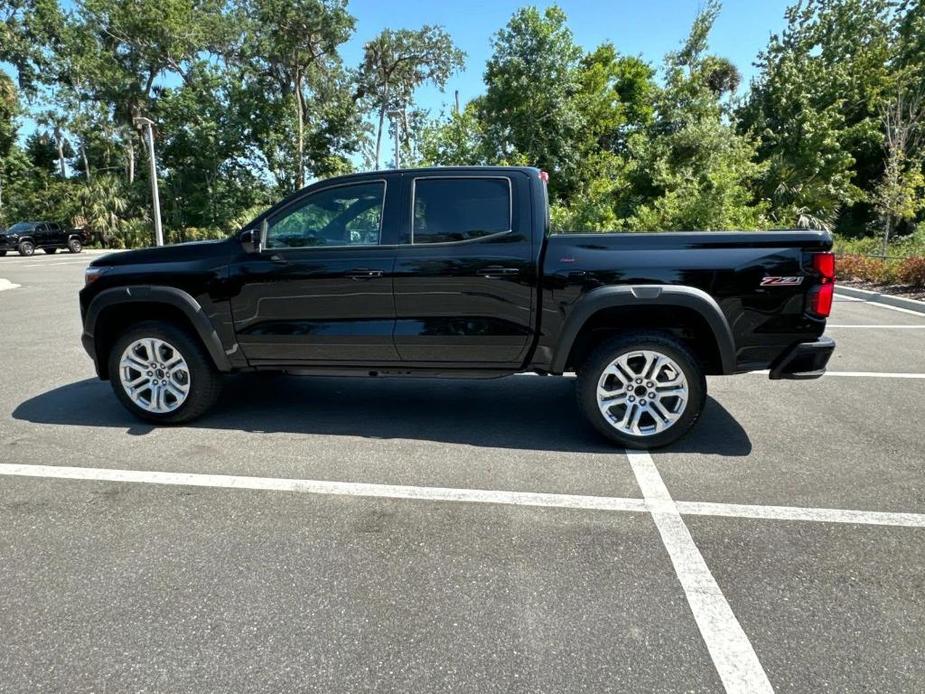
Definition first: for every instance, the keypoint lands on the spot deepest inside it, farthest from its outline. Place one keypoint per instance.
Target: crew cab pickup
(25, 237)
(453, 272)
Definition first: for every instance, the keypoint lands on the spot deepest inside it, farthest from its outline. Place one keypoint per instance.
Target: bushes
(193, 234)
(912, 272)
(908, 271)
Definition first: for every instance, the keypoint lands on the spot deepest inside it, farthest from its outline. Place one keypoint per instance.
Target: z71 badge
(780, 281)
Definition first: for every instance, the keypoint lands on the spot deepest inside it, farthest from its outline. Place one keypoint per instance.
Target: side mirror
(255, 240)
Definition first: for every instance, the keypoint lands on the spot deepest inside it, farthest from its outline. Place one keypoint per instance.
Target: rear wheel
(50, 251)
(74, 245)
(642, 390)
(162, 374)
(26, 248)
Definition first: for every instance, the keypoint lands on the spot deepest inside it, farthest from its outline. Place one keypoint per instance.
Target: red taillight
(820, 298)
(824, 264)
(544, 176)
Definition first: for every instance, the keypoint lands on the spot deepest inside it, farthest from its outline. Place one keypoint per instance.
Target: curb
(888, 299)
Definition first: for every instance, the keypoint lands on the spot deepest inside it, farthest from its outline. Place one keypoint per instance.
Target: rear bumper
(805, 360)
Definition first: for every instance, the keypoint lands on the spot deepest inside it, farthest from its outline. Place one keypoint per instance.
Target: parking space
(343, 534)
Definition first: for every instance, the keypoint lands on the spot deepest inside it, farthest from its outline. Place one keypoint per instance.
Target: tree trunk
(83, 154)
(59, 143)
(397, 124)
(300, 117)
(886, 233)
(382, 109)
(131, 163)
(379, 134)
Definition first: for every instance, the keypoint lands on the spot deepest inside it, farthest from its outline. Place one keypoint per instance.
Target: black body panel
(505, 301)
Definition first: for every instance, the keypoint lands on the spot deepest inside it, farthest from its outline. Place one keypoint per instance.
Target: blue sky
(648, 29)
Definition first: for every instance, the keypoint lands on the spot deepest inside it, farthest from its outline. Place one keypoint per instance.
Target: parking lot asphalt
(325, 534)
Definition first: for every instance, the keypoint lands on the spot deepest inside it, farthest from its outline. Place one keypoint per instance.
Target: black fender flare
(647, 295)
(164, 295)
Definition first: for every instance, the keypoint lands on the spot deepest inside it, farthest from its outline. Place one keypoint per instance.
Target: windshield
(22, 226)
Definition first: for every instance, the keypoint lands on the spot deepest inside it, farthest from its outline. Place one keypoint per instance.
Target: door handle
(495, 271)
(363, 274)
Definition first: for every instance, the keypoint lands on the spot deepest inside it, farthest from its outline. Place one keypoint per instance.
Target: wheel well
(115, 320)
(686, 324)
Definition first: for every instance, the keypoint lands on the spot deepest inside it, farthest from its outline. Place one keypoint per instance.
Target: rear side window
(460, 209)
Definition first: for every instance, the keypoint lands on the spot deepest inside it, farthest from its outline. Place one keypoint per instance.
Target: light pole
(155, 198)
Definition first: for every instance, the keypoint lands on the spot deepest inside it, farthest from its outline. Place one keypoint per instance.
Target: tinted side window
(458, 209)
(341, 216)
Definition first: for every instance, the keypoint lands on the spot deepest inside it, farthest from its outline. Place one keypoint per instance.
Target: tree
(395, 64)
(9, 109)
(292, 78)
(455, 140)
(899, 193)
(691, 170)
(814, 109)
(529, 113)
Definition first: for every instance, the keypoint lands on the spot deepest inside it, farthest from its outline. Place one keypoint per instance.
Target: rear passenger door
(464, 272)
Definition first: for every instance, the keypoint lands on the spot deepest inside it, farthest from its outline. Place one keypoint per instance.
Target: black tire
(50, 251)
(74, 246)
(2, 253)
(593, 368)
(26, 248)
(204, 380)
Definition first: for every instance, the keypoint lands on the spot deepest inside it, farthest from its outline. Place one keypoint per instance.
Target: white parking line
(732, 653)
(53, 263)
(879, 327)
(858, 374)
(894, 308)
(796, 513)
(6, 285)
(391, 491)
(488, 496)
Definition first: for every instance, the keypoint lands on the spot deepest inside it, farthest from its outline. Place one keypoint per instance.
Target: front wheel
(74, 246)
(642, 390)
(162, 374)
(26, 248)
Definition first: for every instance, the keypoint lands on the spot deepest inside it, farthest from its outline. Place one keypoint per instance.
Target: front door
(321, 290)
(465, 274)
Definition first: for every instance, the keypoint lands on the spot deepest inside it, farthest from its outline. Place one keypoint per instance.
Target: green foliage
(528, 112)
(395, 64)
(251, 100)
(815, 110)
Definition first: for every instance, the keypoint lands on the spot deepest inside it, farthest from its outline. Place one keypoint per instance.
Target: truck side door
(321, 291)
(464, 272)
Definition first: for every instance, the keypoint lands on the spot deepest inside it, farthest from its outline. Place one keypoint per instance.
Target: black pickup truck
(26, 237)
(453, 272)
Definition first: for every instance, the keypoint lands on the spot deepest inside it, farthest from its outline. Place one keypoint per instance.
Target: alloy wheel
(642, 393)
(154, 375)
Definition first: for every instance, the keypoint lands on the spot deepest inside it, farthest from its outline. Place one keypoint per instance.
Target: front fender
(646, 295)
(156, 294)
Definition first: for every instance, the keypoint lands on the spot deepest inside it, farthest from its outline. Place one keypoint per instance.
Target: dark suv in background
(26, 237)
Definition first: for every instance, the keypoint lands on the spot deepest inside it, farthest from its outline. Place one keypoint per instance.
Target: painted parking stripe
(732, 653)
(878, 327)
(489, 496)
(796, 513)
(391, 491)
(82, 261)
(858, 374)
(893, 308)
(6, 285)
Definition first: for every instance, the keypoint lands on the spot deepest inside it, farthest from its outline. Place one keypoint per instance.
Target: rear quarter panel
(730, 266)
